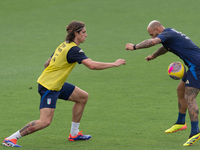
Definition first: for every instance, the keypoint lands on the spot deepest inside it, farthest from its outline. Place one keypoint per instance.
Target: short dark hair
(74, 26)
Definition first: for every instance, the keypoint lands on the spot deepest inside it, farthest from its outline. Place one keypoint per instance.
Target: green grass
(129, 107)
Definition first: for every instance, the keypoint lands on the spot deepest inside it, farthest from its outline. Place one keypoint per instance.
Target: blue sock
(181, 118)
(194, 127)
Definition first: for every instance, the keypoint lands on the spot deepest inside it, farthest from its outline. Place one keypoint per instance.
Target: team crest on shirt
(80, 51)
(48, 101)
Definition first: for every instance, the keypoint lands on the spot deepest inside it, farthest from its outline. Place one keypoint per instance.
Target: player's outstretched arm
(157, 53)
(144, 44)
(94, 65)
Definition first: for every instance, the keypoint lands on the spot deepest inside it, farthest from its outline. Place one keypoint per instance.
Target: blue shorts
(192, 78)
(49, 98)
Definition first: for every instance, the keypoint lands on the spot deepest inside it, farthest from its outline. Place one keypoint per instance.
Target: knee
(45, 123)
(84, 98)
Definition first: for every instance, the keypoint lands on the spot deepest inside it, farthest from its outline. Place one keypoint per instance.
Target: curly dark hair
(74, 26)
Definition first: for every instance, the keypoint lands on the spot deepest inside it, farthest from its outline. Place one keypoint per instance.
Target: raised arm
(94, 65)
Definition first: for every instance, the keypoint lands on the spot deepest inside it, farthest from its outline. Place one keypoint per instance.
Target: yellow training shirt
(54, 76)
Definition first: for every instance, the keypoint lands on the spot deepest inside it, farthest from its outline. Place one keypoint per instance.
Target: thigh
(181, 90)
(78, 95)
(191, 93)
(181, 86)
(46, 114)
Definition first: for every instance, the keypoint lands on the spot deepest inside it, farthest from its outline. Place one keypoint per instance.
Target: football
(176, 70)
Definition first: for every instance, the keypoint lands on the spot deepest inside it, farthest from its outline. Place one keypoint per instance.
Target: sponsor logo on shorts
(187, 82)
(48, 101)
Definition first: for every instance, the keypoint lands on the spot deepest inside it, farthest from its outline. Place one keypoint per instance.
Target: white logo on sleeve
(80, 51)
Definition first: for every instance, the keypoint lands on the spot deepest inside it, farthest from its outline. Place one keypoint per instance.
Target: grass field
(129, 107)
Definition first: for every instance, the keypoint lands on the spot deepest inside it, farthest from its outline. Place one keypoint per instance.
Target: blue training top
(181, 45)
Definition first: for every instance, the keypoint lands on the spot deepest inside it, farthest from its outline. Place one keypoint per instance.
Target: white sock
(15, 135)
(74, 128)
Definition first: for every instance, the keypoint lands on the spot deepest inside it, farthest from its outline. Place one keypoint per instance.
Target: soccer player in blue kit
(188, 88)
(52, 85)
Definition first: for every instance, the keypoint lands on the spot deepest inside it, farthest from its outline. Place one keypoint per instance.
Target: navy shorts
(192, 77)
(49, 98)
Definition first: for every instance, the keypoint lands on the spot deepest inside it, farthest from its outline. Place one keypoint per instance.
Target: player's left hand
(119, 62)
(150, 57)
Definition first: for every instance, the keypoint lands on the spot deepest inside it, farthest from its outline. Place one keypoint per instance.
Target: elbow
(154, 43)
(46, 65)
(92, 67)
(90, 64)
